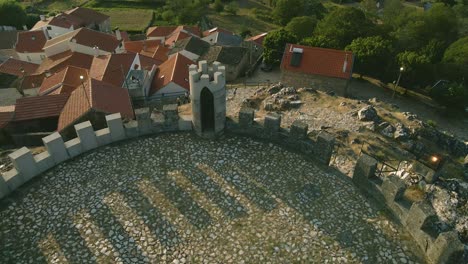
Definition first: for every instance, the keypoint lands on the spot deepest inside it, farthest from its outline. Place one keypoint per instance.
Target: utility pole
(397, 82)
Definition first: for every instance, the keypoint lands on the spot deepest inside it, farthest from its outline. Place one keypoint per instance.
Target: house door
(207, 110)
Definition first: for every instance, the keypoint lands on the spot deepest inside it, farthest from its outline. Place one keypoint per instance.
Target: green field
(129, 19)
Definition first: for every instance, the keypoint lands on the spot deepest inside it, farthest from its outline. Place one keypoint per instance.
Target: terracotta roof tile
(175, 69)
(320, 61)
(108, 68)
(258, 38)
(97, 96)
(88, 37)
(6, 115)
(149, 48)
(176, 36)
(14, 66)
(30, 41)
(62, 60)
(64, 81)
(160, 31)
(29, 108)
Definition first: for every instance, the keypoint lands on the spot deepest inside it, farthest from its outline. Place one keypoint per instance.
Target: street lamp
(84, 90)
(397, 82)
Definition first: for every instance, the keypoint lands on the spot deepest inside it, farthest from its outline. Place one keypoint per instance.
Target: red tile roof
(62, 60)
(89, 16)
(216, 29)
(194, 30)
(111, 68)
(175, 69)
(36, 107)
(87, 37)
(97, 96)
(64, 81)
(6, 115)
(320, 61)
(14, 66)
(150, 48)
(258, 38)
(160, 31)
(176, 36)
(30, 41)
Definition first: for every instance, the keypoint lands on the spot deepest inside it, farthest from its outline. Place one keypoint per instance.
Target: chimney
(43, 17)
(118, 35)
(25, 27)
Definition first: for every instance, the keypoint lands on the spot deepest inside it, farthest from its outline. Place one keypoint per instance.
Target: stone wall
(27, 166)
(323, 83)
(417, 218)
(294, 138)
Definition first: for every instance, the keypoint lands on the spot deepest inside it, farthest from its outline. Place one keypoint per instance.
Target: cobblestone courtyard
(177, 198)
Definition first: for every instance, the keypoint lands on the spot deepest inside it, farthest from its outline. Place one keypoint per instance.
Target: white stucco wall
(86, 50)
(162, 39)
(32, 57)
(57, 48)
(55, 31)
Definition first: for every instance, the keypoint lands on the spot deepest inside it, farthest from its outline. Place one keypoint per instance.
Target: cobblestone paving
(177, 198)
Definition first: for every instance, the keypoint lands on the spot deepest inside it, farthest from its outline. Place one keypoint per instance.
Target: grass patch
(129, 19)
(134, 4)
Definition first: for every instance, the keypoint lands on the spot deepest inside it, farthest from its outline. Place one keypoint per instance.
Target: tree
(457, 52)
(453, 95)
(285, 10)
(232, 8)
(369, 6)
(12, 14)
(343, 25)
(372, 54)
(218, 6)
(275, 43)
(321, 42)
(302, 26)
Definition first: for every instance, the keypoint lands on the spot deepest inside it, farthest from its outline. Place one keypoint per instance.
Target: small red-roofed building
(73, 19)
(30, 46)
(84, 40)
(64, 81)
(258, 39)
(163, 33)
(172, 77)
(149, 48)
(319, 68)
(93, 102)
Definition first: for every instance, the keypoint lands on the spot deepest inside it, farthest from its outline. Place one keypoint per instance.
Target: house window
(49, 28)
(42, 57)
(29, 58)
(296, 57)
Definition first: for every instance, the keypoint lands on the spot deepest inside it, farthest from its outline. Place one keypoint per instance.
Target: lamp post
(84, 90)
(397, 82)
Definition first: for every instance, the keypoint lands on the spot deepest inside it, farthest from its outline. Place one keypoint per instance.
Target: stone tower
(208, 96)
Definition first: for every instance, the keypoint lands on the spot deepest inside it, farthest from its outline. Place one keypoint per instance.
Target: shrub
(218, 6)
(167, 15)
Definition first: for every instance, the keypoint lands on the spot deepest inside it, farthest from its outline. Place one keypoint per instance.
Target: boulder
(401, 132)
(275, 88)
(368, 113)
(287, 91)
(388, 131)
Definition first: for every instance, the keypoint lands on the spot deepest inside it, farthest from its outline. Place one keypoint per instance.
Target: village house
(73, 19)
(319, 68)
(258, 39)
(149, 48)
(86, 41)
(192, 48)
(64, 81)
(223, 38)
(236, 60)
(30, 44)
(171, 79)
(92, 101)
(163, 33)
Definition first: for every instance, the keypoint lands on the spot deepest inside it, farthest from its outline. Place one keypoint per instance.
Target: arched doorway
(207, 110)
